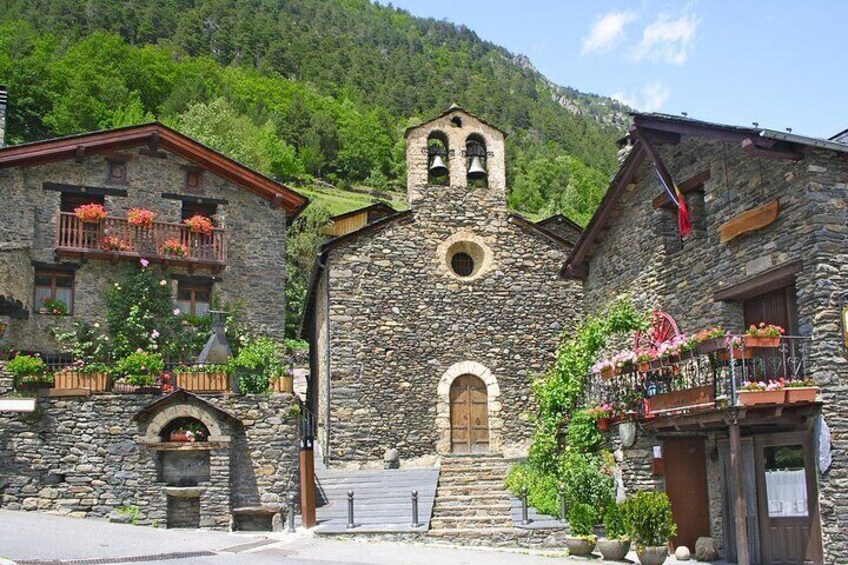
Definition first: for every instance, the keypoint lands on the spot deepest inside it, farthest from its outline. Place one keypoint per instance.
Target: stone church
(428, 326)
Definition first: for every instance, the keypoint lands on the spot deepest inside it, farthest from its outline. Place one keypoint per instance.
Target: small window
(462, 264)
(72, 201)
(117, 171)
(198, 208)
(786, 481)
(193, 298)
(54, 292)
(193, 180)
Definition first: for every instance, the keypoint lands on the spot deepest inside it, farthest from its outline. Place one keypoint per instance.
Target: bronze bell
(437, 166)
(476, 170)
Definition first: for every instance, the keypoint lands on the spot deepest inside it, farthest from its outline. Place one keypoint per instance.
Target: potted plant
(651, 525)
(203, 378)
(112, 243)
(752, 393)
(616, 543)
(199, 224)
(602, 415)
(54, 307)
(30, 373)
(82, 375)
(581, 524)
(175, 248)
(256, 363)
(140, 218)
(138, 372)
(605, 368)
(801, 390)
(189, 432)
(90, 213)
(734, 348)
(643, 360)
(763, 335)
(709, 340)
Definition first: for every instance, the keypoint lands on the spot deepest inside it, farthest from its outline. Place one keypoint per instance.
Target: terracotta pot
(724, 355)
(801, 394)
(178, 436)
(752, 341)
(579, 546)
(643, 366)
(754, 398)
(655, 555)
(711, 345)
(613, 550)
(607, 372)
(603, 424)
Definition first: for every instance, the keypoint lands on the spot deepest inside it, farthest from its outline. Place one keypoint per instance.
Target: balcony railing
(700, 379)
(115, 238)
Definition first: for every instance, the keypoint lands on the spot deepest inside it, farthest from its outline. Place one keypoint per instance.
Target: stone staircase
(471, 502)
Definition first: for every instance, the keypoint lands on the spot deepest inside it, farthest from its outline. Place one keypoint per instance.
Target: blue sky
(779, 63)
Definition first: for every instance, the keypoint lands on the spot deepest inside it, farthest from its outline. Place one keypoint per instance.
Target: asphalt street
(44, 539)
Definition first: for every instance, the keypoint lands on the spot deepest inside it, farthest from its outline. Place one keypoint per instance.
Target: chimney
(4, 96)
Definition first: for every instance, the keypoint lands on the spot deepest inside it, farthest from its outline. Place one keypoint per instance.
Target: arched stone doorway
(477, 382)
(469, 415)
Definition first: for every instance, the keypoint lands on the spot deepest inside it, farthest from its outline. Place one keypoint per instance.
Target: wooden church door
(469, 405)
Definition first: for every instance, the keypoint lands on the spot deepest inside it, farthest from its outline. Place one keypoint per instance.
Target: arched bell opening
(437, 159)
(477, 173)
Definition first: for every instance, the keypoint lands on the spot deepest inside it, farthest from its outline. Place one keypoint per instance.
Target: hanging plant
(141, 218)
(199, 224)
(90, 213)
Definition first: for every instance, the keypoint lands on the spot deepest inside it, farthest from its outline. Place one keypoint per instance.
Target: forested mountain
(299, 88)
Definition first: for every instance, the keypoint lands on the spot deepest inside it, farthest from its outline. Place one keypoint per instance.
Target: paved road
(43, 538)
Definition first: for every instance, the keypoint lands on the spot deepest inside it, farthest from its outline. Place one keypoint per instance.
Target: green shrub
(650, 519)
(583, 434)
(615, 522)
(586, 480)
(28, 369)
(581, 520)
(258, 361)
(542, 489)
(140, 368)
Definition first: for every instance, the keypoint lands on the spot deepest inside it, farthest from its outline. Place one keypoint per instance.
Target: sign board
(17, 405)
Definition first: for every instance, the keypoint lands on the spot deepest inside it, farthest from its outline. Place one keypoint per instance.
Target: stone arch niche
(193, 476)
(443, 404)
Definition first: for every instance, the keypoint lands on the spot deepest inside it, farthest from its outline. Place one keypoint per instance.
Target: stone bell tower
(457, 150)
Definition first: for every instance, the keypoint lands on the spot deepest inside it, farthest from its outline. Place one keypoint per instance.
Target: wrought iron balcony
(115, 238)
(708, 377)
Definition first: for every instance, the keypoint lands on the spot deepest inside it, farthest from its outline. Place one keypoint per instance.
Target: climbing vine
(559, 394)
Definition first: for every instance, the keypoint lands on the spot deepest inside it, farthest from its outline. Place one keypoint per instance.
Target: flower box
(757, 397)
(643, 367)
(94, 382)
(762, 342)
(711, 345)
(801, 394)
(607, 372)
(213, 381)
(736, 353)
(178, 436)
(282, 384)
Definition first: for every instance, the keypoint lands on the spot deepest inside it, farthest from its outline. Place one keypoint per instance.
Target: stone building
(768, 244)
(428, 326)
(47, 253)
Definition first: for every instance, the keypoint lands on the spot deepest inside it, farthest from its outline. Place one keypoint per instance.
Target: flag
(684, 222)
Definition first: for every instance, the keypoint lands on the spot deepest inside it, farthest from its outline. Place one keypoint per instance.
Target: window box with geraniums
(605, 368)
(90, 213)
(753, 393)
(710, 340)
(734, 348)
(30, 373)
(140, 218)
(138, 372)
(112, 243)
(801, 390)
(602, 414)
(175, 248)
(81, 375)
(53, 307)
(190, 432)
(763, 335)
(651, 525)
(644, 359)
(199, 224)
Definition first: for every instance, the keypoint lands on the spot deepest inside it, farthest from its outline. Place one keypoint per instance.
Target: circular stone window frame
(472, 244)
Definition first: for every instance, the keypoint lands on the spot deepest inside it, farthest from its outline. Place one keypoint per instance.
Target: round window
(462, 264)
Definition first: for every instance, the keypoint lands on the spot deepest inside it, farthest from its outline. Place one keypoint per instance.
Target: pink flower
(154, 334)
(176, 311)
(144, 263)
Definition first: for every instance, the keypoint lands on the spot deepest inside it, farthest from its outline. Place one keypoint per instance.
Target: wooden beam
(654, 156)
(761, 283)
(753, 149)
(749, 221)
(659, 137)
(741, 511)
(694, 183)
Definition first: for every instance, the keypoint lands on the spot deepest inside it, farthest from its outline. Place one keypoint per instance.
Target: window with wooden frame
(52, 288)
(72, 200)
(193, 297)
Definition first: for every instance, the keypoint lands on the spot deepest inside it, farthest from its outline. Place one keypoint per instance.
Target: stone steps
(455, 522)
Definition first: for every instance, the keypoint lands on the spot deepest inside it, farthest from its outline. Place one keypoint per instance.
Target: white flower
(96, 324)
(117, 285)
(163, 282)
(106, 337)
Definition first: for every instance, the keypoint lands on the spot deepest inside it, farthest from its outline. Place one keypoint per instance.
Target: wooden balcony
(708, 378)
(115, 239)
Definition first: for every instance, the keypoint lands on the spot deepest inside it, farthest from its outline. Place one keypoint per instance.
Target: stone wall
(401, 321)
(86, 457)
(254, 276)
(641, 255)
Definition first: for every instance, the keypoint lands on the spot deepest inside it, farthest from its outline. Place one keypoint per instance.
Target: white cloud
(607, 32)
(649, 98)
(668, 38)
